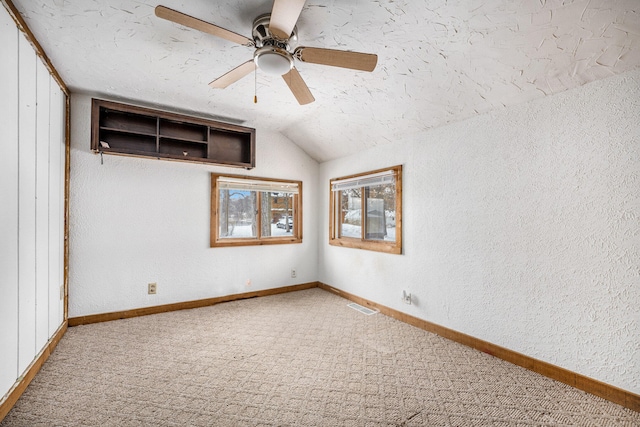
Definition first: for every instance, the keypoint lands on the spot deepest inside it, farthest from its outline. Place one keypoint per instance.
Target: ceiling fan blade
(298, 87)
(234, 75)
(197, 24)
(337, 58)
(284, 16)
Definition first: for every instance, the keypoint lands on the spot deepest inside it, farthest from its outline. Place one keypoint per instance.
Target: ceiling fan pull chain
(255, 87)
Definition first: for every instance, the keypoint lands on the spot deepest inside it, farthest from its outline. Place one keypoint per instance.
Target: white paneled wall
(26, 203)
(57, 157)
(9, 205)
(42, 204)
(32, 165)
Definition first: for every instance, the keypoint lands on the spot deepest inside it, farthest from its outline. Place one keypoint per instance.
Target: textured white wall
(135, 221)
(521, 227)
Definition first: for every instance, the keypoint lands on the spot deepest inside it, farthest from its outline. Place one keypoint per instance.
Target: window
(255, 211)
(366, 211)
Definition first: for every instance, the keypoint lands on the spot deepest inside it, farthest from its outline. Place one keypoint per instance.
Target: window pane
(278, 215)
(254, 211)
(381, 212)
(351, 209)
(237, 213)
(366, 211)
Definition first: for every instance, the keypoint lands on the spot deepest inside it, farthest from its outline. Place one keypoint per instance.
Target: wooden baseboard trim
(105, 317)
(21, 384)
(614, 394)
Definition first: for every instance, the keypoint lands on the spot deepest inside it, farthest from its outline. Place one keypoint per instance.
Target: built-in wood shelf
(136, 131)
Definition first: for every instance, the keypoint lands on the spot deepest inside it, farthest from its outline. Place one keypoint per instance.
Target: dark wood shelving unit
(137, 131)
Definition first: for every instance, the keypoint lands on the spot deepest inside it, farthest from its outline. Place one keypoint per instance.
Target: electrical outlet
(153, 287)
(248, 282)
(293, 273)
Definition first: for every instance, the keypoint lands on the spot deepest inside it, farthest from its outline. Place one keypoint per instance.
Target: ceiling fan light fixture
(273, 60)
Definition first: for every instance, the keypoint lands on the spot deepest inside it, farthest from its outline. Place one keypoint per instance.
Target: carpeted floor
(296, 359)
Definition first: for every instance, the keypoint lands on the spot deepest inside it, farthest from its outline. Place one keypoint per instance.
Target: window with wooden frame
(366, 211)
(255, 211)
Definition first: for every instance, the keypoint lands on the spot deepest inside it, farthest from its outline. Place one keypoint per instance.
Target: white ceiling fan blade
(298, 87)
(337, 58)
(197, 24)
(234, 75)
(284, 16)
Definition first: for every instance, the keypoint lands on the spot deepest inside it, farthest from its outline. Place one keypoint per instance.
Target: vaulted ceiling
(439, 61)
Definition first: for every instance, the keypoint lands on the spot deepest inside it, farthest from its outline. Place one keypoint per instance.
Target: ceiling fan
(273, 36)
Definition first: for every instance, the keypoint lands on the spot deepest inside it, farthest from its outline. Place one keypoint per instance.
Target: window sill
(386, 247)
(254, 242)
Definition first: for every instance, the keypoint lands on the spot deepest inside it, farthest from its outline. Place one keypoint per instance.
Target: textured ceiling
(438, 61)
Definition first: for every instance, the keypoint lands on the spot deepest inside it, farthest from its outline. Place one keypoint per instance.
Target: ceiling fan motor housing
(263, 37)
(272, 54)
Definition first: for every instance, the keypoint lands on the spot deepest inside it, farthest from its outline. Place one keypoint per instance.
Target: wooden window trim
(372, 245)
(217, 241)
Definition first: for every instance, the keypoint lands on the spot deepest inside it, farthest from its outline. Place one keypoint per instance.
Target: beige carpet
(297, 359)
